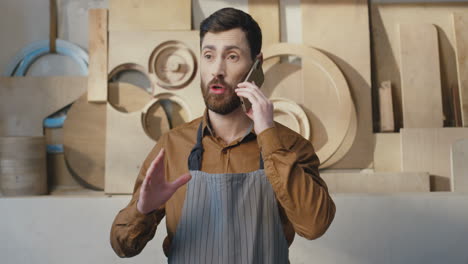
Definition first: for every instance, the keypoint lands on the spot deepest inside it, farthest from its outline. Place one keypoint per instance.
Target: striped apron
(228, 218)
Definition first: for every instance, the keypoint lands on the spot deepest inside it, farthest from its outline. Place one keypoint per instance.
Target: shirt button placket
(225, 157)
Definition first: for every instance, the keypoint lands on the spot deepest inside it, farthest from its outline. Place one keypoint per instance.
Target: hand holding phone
(255, 75)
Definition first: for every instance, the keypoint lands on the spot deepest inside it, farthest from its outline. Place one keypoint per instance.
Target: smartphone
(255, 74)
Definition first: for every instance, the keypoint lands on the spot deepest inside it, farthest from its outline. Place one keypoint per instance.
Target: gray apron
(228, 218)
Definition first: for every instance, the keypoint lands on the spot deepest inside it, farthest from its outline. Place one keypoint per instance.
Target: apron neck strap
(195, 157)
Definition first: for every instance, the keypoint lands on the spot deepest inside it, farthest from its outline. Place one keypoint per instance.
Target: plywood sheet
(377, 182)
(420, 76)
(139, 48)
(428, 149)
(459, 158)
(387, 152)
(26, 101)
(97, 77)
(341, 30)
(127, 146)
(132, 15)
(460, 28)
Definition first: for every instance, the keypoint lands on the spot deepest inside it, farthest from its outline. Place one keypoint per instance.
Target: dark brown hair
(230, 18)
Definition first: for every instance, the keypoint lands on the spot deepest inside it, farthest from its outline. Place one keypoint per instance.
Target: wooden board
(387, 122)
(385, 19)
(460, 28)
(26, 101)
(127, 146)
(127, 142)
(428, 149)
(130, 15)
(137, 48)
(420, 76)
(341, 30)
(459, 158)
(387, 152)
(329, 127)
(84, 139)
(23, 166)
(377, 182)
(97, 48)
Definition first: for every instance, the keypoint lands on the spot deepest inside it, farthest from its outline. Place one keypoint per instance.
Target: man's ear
(260, 57)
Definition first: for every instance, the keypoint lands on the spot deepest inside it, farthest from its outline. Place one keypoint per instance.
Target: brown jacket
(291, 166)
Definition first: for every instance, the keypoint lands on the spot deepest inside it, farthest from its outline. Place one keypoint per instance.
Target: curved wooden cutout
(336, 121)
(296, 114)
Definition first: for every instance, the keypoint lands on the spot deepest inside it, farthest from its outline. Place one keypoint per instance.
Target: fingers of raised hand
(179, 182)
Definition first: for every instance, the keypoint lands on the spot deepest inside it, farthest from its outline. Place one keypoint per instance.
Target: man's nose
(219, 69)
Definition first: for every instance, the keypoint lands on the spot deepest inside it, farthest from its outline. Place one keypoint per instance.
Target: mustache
(218, 81)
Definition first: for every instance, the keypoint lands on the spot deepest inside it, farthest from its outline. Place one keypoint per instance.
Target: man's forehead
(233, 38)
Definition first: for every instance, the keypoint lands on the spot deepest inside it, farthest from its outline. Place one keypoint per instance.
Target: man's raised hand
(155, 190)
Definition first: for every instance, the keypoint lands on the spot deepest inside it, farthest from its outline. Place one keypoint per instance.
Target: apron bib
(228, 218)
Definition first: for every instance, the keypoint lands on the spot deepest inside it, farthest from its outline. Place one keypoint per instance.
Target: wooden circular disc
(84, 142)
(291, 115)
(85, 131)
(346, 145)
(323, 93)
(173, 64)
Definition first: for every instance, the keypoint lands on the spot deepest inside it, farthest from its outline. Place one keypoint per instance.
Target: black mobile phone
(255, 74)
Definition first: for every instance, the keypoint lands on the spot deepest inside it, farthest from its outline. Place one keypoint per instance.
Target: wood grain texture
(377, 182)
(129, 15)
(23, 166)
(460, 29)
(97, 48)
(420, 76)
(26, 101)
(387, 122)
(459, 162)
(340, 29)
(428, 149)
(387, 152)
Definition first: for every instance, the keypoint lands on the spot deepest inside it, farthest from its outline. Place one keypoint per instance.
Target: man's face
(225, 61)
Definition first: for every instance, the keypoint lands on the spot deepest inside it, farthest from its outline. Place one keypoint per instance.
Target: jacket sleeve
(131, 230)
(291, 166)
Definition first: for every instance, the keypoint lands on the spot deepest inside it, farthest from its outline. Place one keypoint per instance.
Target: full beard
(222, 104)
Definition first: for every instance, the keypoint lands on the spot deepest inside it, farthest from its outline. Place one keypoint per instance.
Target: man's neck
(231, 126)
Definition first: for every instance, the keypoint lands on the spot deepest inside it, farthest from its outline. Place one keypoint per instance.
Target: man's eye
(208, 56)
(232, 57)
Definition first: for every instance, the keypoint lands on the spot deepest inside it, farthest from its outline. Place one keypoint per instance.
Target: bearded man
(234, 186)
